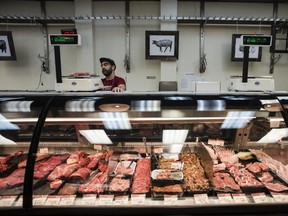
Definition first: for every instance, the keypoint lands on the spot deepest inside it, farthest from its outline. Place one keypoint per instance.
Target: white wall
(109, 40)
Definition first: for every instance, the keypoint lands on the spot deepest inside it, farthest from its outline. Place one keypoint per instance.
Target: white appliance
(80, 84)
(206, 86)
(261, 83)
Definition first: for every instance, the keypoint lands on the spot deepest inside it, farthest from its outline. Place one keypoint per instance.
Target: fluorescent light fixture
(177, 98)
(217, 105)
(80, 105)
(146, 105)
(5, 141)
(236, 120)
(115, 120)
(6, 125)
(275, 135)
(96, 136)
(16, 106)
(174, 136)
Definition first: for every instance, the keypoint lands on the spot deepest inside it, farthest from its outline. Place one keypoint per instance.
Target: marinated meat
(230, 183)
(95, 185)
(219, 167)
(75, 157)
(14, 179)
(42, 169)
(80, 175)
(218, 182)
(257, 167)
(175, 188)
(141, 179)
(84, 161)
(56, 184)
(63, 171)
(94, 161)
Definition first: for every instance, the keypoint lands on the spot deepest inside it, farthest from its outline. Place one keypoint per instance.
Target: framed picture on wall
(7, 50)
(162, 45)
(237, 53)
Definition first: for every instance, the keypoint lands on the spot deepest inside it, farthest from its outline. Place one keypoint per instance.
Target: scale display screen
(64, 39)
(256, 40)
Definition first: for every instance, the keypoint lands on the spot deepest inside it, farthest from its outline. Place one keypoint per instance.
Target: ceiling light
(96, 136)
(5, 141)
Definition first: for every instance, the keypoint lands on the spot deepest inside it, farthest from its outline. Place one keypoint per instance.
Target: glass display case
(156, 153)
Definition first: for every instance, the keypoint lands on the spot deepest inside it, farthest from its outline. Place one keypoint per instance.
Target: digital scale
(71, 83)
(245, 83)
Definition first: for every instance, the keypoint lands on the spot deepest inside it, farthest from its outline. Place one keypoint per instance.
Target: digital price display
(256, 40)
(64, 39)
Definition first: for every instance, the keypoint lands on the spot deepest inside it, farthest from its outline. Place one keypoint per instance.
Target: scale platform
(260, 84)
(80, 84)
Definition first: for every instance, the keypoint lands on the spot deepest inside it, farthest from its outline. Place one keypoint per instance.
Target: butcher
(111, 82)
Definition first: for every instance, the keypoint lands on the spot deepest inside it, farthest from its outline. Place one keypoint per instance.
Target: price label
(260, 198)
(278, 197)
(39, 200)
(67, 200)
(201, 198)
(225, 198)
(137, 199)
(158, 150)
(121, 200)
(240, 198)
(53, 201)
(89, 199)
(44, 150)
(170, 199)
(216, 142)
(106, 199)
(7, 200)
(19, 202)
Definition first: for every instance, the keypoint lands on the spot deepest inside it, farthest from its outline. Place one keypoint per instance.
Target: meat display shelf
(49, 125)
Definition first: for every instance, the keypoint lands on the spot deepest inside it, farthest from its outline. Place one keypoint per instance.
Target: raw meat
(119, 184)
(141, 179)
(277, 187)
(39, 157)
(95, 185)
(63, 171)
(56, 184)
(80, 175)
(14, 179)
(265, 177)
(69, 189)
(75, 157)
(42, 169)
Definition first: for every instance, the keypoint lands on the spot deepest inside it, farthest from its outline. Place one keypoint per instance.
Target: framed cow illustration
(162, 45)
(7, 50)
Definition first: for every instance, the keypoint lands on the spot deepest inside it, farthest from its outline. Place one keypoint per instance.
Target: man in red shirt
(111, 82)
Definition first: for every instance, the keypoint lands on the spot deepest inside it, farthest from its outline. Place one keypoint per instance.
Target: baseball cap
(102, 59)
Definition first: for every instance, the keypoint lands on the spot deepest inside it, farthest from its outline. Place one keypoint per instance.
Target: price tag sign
(216, 142)
(240, 198)
(260, 198)
(158, 150)
(53, 201)
(44, 150)
(137, 199)
(279, 197)
(106, 199)
(19, 202)
(201, 198)
(67, 200)
(121, 200)
(7, 200)
(88, 199)
(39, 200)
(170, 199)
(225, 198)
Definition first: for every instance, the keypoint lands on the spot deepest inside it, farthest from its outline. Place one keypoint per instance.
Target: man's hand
(117, 89)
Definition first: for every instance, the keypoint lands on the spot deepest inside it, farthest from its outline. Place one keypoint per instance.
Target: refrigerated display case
(144, 153)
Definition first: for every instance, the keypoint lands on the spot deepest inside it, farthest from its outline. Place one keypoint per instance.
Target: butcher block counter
(157, 153)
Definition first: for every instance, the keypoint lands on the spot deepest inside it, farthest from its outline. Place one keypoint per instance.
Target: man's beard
(107, 73)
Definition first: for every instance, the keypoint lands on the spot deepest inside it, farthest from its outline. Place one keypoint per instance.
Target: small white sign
(88, 199)
(137, 199)
(7, 200)
(121, 200)
(240, 198)
(201, 198)
(106, 199)
(260, 198)
(225, 198)
(52, 201)
(39, 200)
(170, 199)
(19, 202)
(67, 200)
(278, 197)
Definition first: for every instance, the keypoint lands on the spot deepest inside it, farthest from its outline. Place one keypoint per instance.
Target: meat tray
(119, 185)
(125, 168)
(167, 175)
(161, 188)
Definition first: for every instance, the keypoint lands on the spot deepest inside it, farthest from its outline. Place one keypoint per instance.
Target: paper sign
(53, 201)
(260, 198)
(19, 202)
(279, 197)
(240, 198)
(39, 200)
(67, 200)
(7, 200)
(121, 200)
(137, 199)
(225, 198)
(106, 199)
(170, 199)
(201, 198)
(88, 199)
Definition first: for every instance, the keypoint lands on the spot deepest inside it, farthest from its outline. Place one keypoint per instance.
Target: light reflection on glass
(115, 120)
(146, 105)
(236, 120)
(16, 106)
(217, 105)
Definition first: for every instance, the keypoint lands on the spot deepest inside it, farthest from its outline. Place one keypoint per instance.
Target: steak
(80, 175)
(63, 171)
